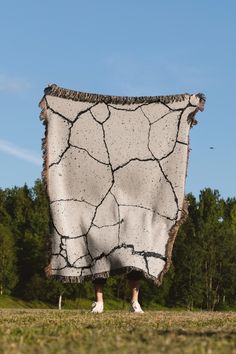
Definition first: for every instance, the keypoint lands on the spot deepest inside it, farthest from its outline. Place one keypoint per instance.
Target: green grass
(9, 302)
(78, 331)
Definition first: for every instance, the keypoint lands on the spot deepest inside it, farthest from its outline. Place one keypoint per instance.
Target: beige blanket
(115, 169)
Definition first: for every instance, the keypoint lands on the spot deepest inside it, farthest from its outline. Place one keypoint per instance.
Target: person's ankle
(134, 300)
(97, 307)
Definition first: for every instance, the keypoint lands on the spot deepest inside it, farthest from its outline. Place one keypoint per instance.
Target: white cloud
(10, 84)
(19, 152)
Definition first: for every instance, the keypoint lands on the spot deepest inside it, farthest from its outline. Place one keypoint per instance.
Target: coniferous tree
(8, 271)
(202, 274)
(186, 288)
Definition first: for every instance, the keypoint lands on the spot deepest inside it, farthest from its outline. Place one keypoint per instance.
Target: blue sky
(125, 47)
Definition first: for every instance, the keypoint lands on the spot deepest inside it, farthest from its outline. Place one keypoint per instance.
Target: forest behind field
(202, 274)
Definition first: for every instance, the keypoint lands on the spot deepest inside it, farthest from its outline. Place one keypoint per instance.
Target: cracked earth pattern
(115, 179)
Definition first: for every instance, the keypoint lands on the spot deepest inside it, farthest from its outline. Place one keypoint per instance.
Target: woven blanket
(114, 170)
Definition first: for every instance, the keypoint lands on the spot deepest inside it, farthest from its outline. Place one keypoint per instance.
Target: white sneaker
(97, 307)
(135, 307)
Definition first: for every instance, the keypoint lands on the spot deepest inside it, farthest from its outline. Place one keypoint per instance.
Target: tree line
(202, 274)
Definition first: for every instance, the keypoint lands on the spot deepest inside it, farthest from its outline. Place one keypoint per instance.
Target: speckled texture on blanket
(115, 170)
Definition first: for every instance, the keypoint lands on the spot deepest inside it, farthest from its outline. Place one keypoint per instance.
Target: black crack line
(124, 245)
(62, 246)
(112, 183)
(155, 159)
(149, 122)
(164, 116)
(72, 237)
(146, 263)
(57, 113)
(66, 256)
(101, 227)
(96, 208)
(144, 254)
(82, 267)
(60, 115)
(191, 120)
(173, 190)
(56, 254)
(133, 159)
(104, 139)
(61, 249)
(65, 236)
(149, 209)
(84, 111)
(105, 143)
(104, 163)
(109, 114)
(127, 110)
(86, 255)
(66, 260)
(157, 120)
(69, 137)
(181, 142)
(177, 133)
(136, 206)
(93, 116)
(165, 176)
(67, 148)
(88, 267)
(61, 156)
(190, 104)
(54, 226)
(94, 215)
(66, 266)
(67, 119)
(72, 199)
(178, 125)
(120, 220)
(71, 125)
(80, 148)
(176, 109)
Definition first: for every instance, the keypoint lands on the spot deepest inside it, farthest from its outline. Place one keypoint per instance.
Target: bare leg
(98, 288)
(134, 292)
(134, 288)
(97, 306)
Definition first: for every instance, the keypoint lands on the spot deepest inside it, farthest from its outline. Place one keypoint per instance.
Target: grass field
(71, 331)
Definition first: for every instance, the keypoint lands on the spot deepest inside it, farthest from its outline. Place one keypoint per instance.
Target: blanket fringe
(54, 90)
(172, 236)
(44, 175)
(104, 275)
(48, 271)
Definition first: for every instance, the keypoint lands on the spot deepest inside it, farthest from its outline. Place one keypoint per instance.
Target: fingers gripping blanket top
(115, 169)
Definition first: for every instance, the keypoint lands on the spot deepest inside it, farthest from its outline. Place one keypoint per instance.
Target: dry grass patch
(70, 331)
